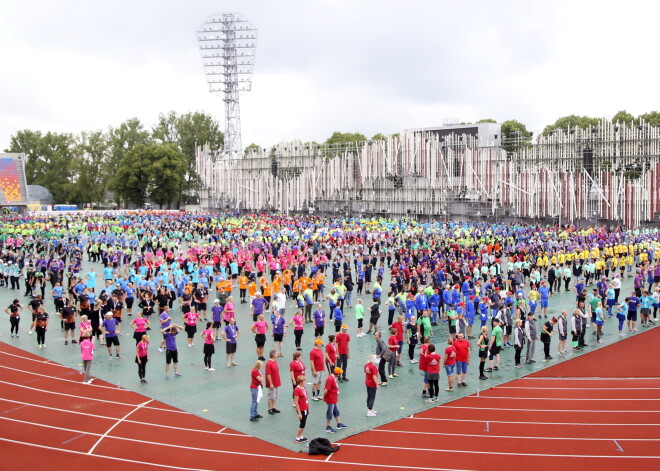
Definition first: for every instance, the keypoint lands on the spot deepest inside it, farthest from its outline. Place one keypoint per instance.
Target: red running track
(567, 416)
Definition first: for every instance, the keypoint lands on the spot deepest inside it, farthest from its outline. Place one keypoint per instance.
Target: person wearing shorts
(317, 364)
(482, 343)
(462, 347)
(633, 303)
(68, 315)
(216, 316)
(562, 327)
(279, 330)
(319, 322)
(452, 315)
(302, 407)
(259, 330)
(110, 329)
(495, 346)
(190, 318)
(171, 352)
(450, 363)
(423, 364)
(230, 334)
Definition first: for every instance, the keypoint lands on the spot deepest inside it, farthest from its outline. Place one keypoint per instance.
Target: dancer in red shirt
(343, 339)
(302, 407)
(433, 361)
(371, 381)
(273, 382)
(331, 398)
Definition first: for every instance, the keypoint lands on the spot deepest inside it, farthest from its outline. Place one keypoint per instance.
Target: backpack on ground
(321, 446)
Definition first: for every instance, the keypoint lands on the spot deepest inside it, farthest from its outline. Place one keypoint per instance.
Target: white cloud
(369, 66)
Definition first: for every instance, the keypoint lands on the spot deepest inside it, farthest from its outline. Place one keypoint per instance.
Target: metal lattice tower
(227, 43)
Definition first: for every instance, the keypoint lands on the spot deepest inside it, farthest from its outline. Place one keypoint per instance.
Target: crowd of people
(423, 285)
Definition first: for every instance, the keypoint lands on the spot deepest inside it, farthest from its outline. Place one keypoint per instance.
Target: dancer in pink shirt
(87, 355)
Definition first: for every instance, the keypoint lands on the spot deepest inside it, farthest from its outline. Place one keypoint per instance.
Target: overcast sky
(323, 66)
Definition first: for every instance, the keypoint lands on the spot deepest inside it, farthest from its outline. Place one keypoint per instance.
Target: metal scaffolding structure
(227, 43)
(610, 172)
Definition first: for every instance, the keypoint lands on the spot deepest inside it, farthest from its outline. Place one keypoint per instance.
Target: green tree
(345, 138)
(570, 122)
(252, 147)
(90, 155)
(196, 129)
(652, 118)
(513, 128)
(121, 140)
(379, 137)
(487, 120)
(131, 179)
(167, 172)
(154, 171)
(514, 134)
(166, 130)
(623, 117)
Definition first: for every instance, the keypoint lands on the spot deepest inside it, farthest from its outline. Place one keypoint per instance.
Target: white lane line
(89, 414)
(507, 453)
(511, 436)
(47, 362)
(527, 422)
(448, 406)
(222, 452)
(114, 388)
(114, 458)
(137, 408)
(91, 398)
(482, 397)
(221, 430)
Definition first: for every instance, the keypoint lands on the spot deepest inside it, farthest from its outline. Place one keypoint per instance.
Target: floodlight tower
(228, 43)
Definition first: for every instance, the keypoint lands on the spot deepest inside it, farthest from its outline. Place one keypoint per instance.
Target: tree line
(158, 164)
(513, 131)
(133, 162)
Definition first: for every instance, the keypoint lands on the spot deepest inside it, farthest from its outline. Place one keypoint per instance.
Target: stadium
(449, 297)
(603, 174)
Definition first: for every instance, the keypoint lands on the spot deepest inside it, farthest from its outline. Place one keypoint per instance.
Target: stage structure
(227, 43)
(607, 173)
(13, 186)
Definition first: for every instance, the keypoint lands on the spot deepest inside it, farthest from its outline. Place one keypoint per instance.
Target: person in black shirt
(14, 311)
(201, 295)
(373, 318)
(30, 280)
(545, 336)
(40, 326)
(163, 299)
(34, 306)
(348, 283)
(147, 305)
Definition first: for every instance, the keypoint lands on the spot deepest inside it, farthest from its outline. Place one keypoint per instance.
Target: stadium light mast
(227, 43)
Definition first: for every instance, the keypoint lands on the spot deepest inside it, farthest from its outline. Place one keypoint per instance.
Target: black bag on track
(321, 446)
